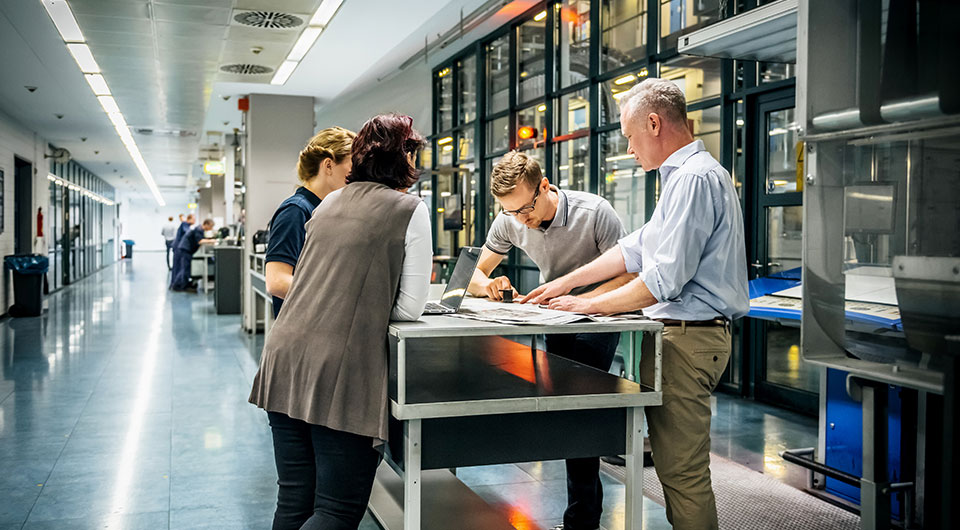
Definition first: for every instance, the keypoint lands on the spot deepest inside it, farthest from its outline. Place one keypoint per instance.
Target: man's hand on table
(574, 304)
(492, 289)
(546, 292)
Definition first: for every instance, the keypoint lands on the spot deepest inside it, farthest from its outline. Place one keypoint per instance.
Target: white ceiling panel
(117, 38)
(202, 14)
(285, 6)
(109, 8)
(141, 26)
(262, 36)
(217, 3)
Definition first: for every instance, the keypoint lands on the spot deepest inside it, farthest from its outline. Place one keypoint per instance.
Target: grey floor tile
(17, 503)
(97, 499)
(491, 475)
(219, 491)
(246, 517)
(138, 521)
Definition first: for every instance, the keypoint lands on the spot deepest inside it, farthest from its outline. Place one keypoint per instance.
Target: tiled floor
(124, 406)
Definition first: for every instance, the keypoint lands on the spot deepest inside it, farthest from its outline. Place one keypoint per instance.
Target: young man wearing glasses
(560, 231)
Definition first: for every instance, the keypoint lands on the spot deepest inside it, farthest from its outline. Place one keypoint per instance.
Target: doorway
(778, 373)
(22, 206)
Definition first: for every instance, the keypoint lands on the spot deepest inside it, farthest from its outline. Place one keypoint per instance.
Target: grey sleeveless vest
(325, 360)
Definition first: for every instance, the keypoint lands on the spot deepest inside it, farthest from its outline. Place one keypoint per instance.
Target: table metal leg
(411, 475)
(401, 372)
(631, 361)
(633, 510)
(267, 317)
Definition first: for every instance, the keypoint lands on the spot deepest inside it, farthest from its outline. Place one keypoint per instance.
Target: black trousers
(325, 475)
(169, 252)
(584, 491)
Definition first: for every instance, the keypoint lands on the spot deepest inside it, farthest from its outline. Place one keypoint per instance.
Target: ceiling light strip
(76, 187)
(319, 22)
(66, 23)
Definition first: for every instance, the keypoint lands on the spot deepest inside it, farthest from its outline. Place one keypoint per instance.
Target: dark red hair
(380, 151)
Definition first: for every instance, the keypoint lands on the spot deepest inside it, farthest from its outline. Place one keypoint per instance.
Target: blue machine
(844, 438)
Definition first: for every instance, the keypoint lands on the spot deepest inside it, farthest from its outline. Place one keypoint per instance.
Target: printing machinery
(878, 103)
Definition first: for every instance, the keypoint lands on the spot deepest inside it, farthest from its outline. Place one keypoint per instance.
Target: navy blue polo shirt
(181, 230)
(190, 242)
(287, 231)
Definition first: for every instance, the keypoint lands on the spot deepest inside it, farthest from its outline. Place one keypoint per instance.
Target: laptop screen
(460, 279)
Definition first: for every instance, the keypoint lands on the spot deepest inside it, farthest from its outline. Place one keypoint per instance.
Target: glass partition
(572, 38)
(531, 42)
(624, 24)
(498, 75)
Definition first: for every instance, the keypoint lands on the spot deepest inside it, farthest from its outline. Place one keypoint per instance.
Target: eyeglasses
(525, 209)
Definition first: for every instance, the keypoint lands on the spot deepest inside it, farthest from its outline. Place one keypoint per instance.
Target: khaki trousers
(694, 358)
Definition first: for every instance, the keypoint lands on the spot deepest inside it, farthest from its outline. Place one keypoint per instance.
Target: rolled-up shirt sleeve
(498, 240)
(688, 219)
(631, 251)
(415, 271)
(608, 228)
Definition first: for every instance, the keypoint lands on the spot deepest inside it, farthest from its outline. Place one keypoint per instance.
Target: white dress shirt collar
(680, 156)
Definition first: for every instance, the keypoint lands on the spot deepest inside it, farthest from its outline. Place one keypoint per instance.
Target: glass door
(779, 374)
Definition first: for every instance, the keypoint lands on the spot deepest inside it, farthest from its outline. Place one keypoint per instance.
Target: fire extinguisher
(39, 222)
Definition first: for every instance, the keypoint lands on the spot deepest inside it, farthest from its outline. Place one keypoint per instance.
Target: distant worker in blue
(322, 168)
(187, 247)
(185, 225)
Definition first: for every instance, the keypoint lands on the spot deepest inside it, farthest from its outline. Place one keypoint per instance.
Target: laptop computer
(457, 286)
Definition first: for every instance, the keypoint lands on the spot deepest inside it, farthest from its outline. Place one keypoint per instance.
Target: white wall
(142, 219)
(17, 139)
(408, 92)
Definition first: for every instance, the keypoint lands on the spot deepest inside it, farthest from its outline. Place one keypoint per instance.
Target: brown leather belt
(719, 321)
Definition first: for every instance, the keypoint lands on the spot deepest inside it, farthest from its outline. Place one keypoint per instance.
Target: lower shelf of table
(445, 503)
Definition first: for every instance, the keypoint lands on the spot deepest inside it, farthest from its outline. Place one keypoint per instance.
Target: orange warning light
(526, 133)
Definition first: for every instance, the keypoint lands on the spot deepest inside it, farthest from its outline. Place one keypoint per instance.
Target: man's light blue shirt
(691, 254)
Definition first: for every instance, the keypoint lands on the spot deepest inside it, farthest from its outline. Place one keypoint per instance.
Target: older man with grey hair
(692, 265)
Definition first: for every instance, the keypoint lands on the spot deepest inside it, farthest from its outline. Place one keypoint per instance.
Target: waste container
(28, 273)
(128, 248)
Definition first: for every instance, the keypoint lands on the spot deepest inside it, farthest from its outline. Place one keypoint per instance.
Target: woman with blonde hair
(322, 168)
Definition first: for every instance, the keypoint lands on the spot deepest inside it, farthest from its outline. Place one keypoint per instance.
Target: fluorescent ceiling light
(109, 104)
(81, 53)
(625, 79)
(541, 15)
(63, 18)
(283, 73)
(306, 40)
(325, 12)
(98, 84)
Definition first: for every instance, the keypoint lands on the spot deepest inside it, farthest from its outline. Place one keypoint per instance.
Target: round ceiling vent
(246, 69)
(268, 19)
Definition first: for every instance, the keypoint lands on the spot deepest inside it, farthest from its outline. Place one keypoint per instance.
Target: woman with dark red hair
(323, 373)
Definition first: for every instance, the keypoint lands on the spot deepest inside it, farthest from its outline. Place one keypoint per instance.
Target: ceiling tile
(285, 6)
(141, 26)
(192, 14)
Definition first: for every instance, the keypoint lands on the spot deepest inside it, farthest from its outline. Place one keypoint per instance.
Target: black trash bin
(128, 251)
(28, 272)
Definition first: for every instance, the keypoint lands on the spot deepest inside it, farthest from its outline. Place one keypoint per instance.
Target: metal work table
(258, 291)
(462, 395)
(203, 254)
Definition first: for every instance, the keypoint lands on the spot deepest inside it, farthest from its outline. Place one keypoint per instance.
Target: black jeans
(584, 491)
(325, 476)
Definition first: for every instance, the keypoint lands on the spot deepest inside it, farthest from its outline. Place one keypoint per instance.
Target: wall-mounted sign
(213, 167)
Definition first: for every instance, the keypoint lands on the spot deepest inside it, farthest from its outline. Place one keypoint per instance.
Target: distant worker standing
(169, 232)
(185, 225)
(187, 247)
